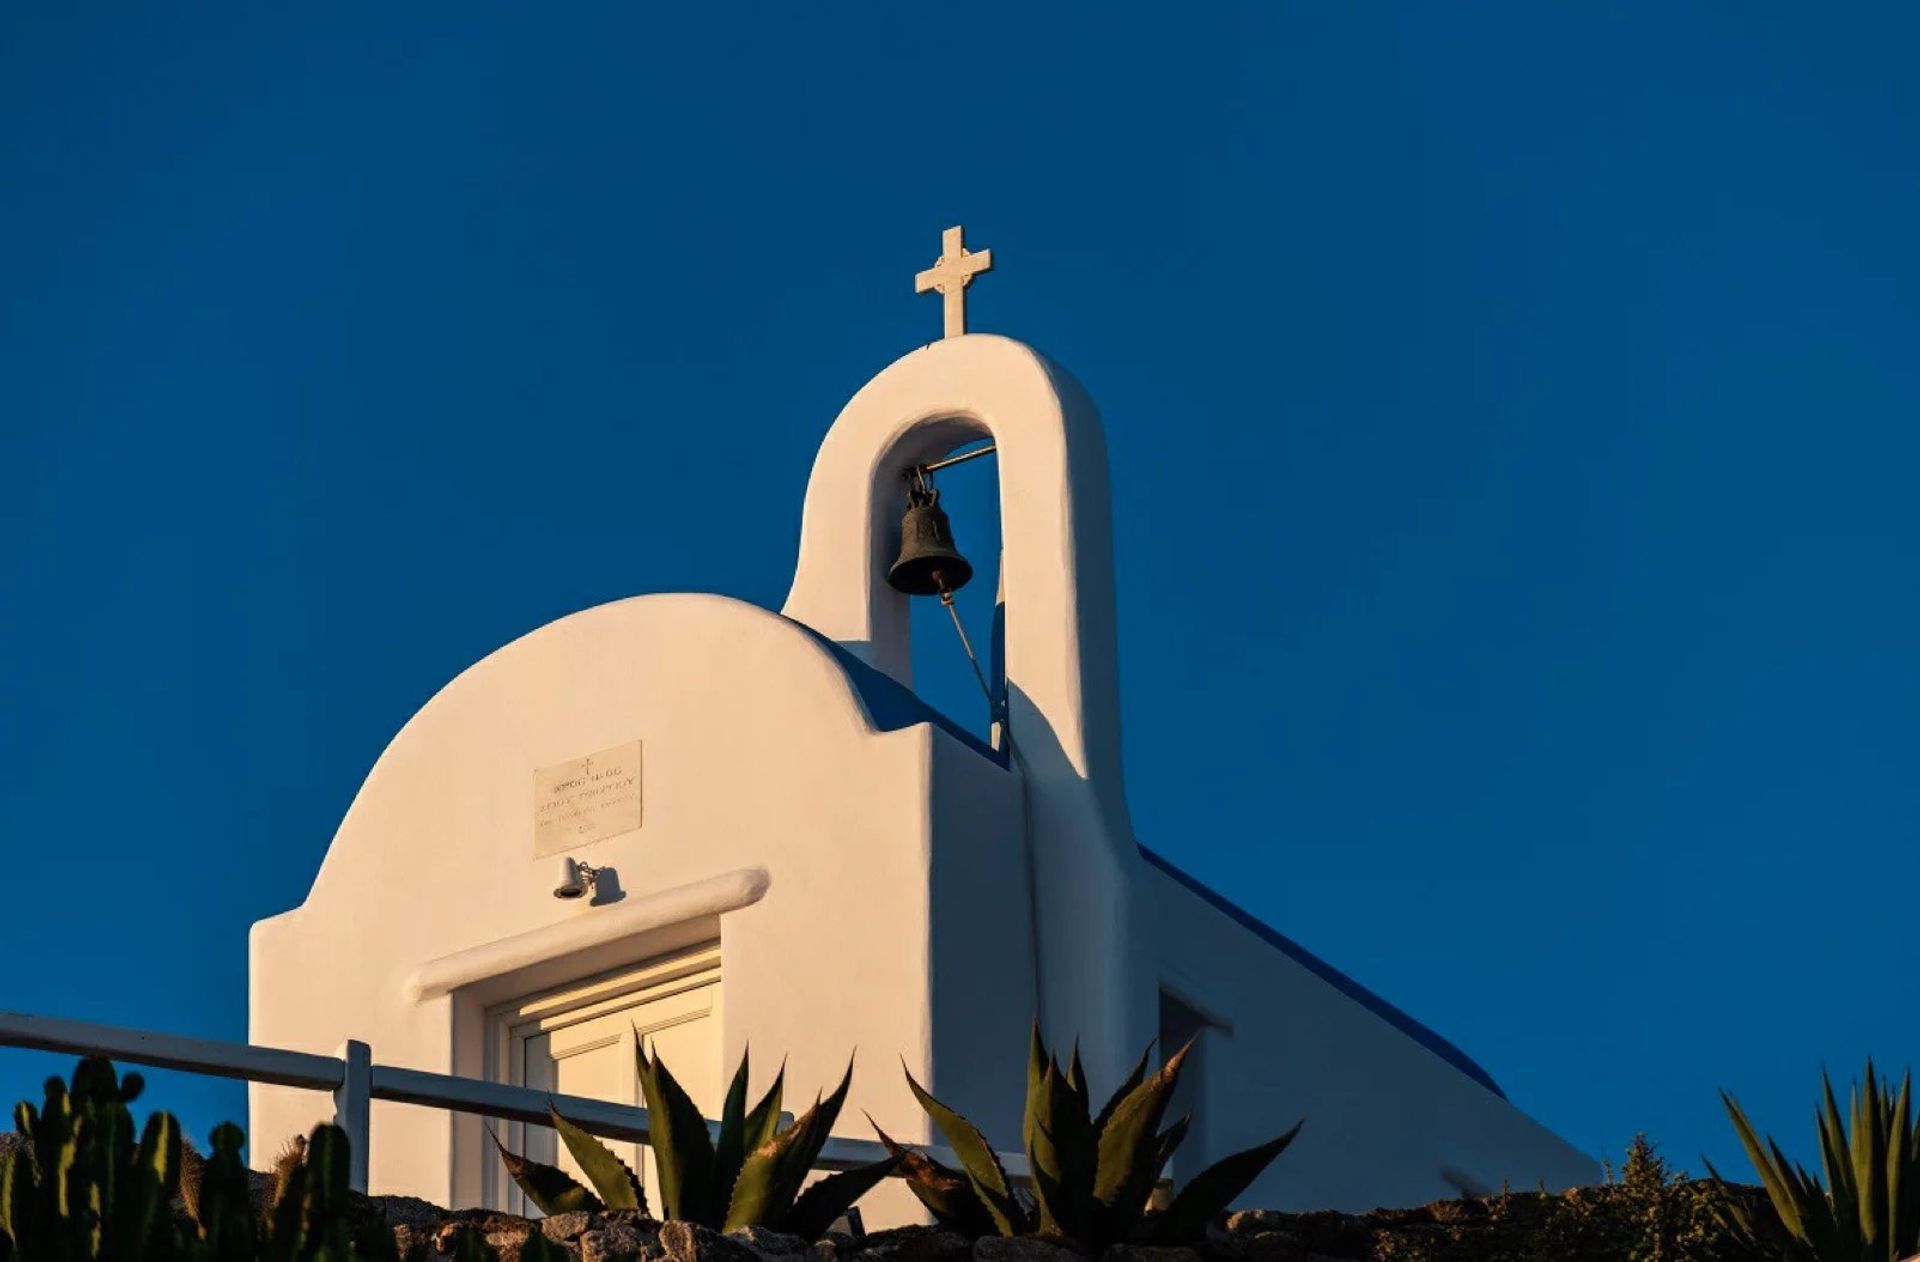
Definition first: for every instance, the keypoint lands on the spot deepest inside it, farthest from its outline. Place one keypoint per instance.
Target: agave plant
(1092, 1174)
(1868, 1210)
(750, 1176)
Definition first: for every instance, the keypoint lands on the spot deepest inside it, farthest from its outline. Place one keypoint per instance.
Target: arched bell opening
(1061, 652)
(966, 493)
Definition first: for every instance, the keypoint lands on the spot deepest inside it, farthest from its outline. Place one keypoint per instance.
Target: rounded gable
(722, 676)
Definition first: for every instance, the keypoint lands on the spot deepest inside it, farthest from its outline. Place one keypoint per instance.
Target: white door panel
(587, 1050)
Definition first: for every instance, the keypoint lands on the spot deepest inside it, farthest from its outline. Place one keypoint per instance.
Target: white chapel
(779, 845)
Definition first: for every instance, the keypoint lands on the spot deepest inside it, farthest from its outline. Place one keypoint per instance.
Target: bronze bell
(929, 565)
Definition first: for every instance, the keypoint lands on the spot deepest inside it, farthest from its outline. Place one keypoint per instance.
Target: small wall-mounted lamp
(576, 878)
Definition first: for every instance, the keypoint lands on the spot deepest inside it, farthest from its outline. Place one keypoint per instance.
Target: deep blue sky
(1514, 413)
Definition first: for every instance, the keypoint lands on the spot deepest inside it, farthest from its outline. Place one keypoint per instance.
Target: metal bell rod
(962, 458)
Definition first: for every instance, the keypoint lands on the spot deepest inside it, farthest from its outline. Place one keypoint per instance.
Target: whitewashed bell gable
(814, 861)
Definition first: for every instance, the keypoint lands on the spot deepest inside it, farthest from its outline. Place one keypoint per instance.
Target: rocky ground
(1517, 1226)
(619, 1234)
(1650, 1215)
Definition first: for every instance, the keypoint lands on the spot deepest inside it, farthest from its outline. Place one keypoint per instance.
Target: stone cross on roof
(950, 275)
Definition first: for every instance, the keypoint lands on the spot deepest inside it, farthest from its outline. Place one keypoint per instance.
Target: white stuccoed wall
(1388, 1120)
(864, 867)
(758, 756)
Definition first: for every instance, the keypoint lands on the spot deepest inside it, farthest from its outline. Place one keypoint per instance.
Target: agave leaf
(731, 1148)
(1053, 1196)
(1883, 1109)
(1730, 1209)
(1038, 1124)
(1134, 1078)
(763, 1123)
(1774, 1178)
(1037, 1065)
(1870, 1161)
(1129, 1145)
(1076, 1080)
(613, 1180)
(1059, 1141)
(1903, 1169)
(773, 1173)
(682, 1149)
(1170, 1140)
(947, 1193)
(981, 1163)
(1208, 1194)
(823, 1115)
(549, 1187)
(1758, 1236)
(1820, 1226)
(755, 1198)
(1869, 1205)
(1844, 1208)
(1825, 1230)
(824, 1200)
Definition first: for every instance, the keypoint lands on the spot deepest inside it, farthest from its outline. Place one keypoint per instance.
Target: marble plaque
(586, 799)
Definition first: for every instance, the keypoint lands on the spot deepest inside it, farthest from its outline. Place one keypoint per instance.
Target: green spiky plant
(81, 1189)
(1868, 1209)
(82, 1186)
(751, 1176)
(1092, 1174)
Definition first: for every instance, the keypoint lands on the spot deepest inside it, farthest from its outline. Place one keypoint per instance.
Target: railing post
(353, 1107)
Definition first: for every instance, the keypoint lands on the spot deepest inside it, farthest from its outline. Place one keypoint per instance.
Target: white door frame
(509, 1025)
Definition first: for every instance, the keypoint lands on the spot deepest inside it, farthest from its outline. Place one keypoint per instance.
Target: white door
(581, 1042)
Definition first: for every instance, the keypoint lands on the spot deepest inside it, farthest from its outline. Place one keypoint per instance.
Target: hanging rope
(946, 598)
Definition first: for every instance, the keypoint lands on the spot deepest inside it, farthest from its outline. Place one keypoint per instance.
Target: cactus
(82, 1190)
(1869, 1208)
(220, 1204)
(1092, 1174)
(286, 1165)
(751, 1176)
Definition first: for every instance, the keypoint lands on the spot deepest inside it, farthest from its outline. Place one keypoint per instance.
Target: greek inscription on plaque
(586, 800)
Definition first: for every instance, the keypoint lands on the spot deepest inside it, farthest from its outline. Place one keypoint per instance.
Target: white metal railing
(355, 1082)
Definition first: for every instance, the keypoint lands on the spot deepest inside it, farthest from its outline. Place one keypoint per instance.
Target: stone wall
(1669, 1222)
